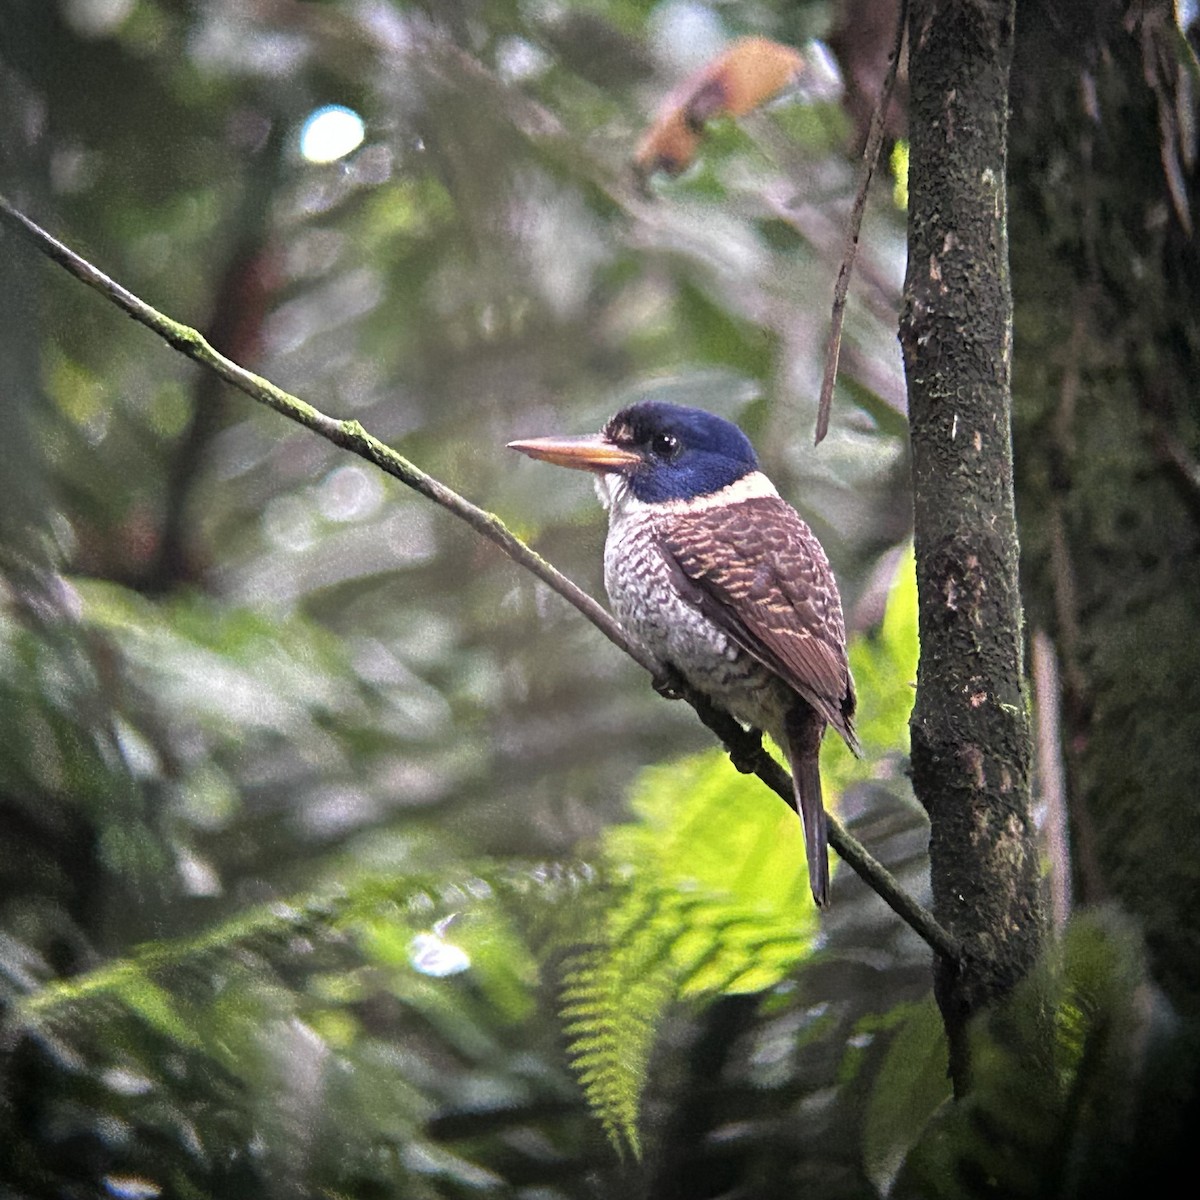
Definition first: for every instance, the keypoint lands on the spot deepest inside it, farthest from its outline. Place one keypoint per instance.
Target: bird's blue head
(664, 451)
(682, 452)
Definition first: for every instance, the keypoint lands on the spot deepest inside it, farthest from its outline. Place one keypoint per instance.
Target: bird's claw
(745, 756)
(668, 684)
(745, 751)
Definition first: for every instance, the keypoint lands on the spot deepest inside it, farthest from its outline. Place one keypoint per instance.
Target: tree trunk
(970, 728)
(1107, 268)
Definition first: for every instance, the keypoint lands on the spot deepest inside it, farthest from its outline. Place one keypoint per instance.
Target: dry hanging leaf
(752, 71)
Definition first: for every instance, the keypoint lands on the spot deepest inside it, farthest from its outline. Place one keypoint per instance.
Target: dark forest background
(318, 816)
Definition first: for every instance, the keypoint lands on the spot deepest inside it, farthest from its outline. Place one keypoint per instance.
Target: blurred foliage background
(340, 857)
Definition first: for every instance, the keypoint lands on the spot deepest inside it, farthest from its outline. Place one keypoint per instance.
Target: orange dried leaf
(752, 71)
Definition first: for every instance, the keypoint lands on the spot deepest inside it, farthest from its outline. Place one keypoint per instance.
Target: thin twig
(350, 435)
(1183, 467)
(746, 749)
(833, 347)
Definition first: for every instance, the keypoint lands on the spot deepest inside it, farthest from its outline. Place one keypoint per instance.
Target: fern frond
(272, 931)
(611, 1006)
(657, 946)
(715, 901)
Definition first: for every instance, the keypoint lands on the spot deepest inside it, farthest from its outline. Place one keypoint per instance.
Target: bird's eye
(664, 445)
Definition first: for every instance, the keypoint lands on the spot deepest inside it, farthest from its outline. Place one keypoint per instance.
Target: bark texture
(1105, 175)
(970, 728)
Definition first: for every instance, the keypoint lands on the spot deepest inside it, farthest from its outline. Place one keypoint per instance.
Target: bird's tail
(805, 728)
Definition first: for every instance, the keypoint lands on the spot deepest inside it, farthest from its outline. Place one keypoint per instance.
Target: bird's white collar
(614, 493)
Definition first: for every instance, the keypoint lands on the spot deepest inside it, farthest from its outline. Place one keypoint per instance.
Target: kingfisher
(722, 582)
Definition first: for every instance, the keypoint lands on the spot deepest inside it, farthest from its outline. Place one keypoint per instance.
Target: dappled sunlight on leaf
(706, 829)
(716, 901)
(884, 663)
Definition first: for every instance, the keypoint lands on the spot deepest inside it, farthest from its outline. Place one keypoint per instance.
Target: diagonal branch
(745, 748)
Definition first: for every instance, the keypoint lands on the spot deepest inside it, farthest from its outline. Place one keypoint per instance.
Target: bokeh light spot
(330, 133)
(431, 955)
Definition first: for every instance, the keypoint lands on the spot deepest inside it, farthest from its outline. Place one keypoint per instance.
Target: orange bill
(592, 452)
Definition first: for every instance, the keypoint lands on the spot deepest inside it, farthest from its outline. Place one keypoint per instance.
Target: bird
(723, 583)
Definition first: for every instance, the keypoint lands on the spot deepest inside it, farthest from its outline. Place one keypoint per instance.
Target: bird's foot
(668, 683)
(745, 755)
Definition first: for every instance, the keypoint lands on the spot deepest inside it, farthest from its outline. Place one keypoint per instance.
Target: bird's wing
(758, 573)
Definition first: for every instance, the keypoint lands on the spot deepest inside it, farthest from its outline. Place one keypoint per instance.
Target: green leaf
(717, 902)
(1065, 1076)
(885, 671)
(911, 1085)
(721, 337)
